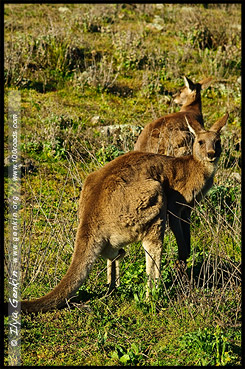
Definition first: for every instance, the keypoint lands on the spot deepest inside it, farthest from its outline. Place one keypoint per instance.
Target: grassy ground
(85, 68)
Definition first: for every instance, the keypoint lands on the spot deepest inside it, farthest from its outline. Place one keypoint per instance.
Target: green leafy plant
(130, 356)
(106, 154)
(210, 345)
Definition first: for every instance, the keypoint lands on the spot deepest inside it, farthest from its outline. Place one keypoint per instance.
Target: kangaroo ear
(217, 126)
(205, 83)
(189, 84)
(194, 127)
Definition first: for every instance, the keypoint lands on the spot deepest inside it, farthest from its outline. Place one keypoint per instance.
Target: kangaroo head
(191, 92)
(205, 82)
(207, 145)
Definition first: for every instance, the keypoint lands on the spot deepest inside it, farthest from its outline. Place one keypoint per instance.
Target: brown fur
(169, 135)
(127, 200)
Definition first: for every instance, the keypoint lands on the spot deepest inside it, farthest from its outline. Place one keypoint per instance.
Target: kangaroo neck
(195, 108)
(190, 177)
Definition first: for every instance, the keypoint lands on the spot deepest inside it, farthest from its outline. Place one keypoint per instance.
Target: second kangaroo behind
(127, 201)
(169, 135)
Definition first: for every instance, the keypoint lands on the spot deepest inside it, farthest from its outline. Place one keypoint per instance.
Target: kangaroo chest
(193, 187)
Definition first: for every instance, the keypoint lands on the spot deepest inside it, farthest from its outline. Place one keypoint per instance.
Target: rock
(95, 119)
(237, 177)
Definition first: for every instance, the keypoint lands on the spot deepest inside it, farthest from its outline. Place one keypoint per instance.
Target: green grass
(86, 67)
(114, 331)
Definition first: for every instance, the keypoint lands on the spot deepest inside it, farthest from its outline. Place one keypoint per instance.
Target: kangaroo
(127, 201)
(169, 134)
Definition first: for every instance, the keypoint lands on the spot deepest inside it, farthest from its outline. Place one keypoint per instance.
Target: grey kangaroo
(127, 200)
(170, 135)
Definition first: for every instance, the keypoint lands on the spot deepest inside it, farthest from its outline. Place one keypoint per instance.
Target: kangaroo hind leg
(153, 254)
(113, 255)
(153, 244)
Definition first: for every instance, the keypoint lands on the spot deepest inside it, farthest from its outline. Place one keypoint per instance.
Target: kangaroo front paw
(121, 254)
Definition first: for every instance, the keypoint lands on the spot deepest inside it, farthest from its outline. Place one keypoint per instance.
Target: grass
(88, 69)
(125, 335)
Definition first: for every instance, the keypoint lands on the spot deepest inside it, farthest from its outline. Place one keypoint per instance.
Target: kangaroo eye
(201, 142)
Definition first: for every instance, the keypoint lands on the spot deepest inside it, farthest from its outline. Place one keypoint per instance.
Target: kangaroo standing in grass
(127, 201)
(170, 135)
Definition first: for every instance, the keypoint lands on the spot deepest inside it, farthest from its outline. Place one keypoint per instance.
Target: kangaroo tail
(85, 253)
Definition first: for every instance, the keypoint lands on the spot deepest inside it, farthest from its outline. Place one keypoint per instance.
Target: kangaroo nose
(211, 154)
